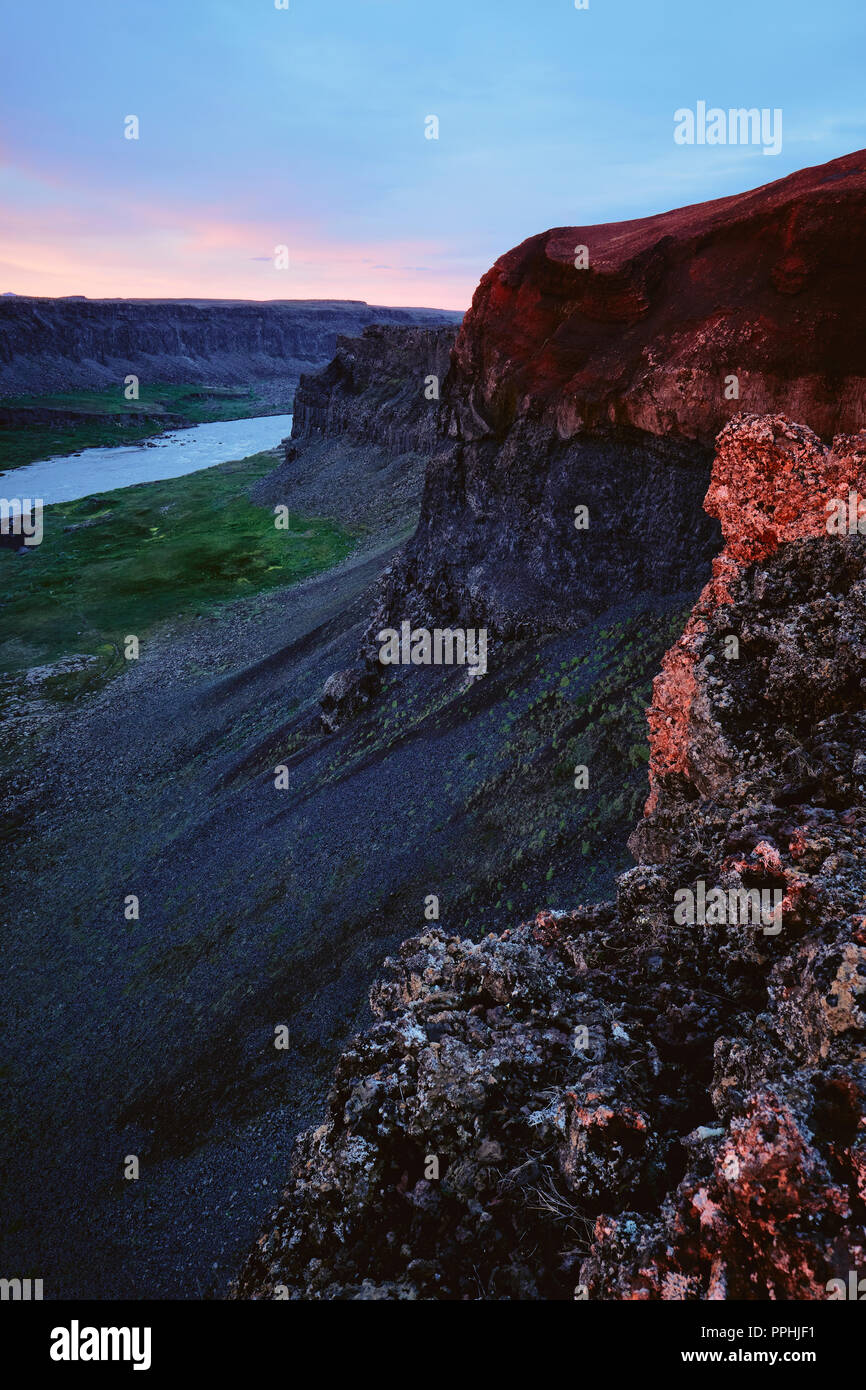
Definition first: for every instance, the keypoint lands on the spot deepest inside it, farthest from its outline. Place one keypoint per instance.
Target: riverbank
(120, 562)
(36, 427)
(173, 454)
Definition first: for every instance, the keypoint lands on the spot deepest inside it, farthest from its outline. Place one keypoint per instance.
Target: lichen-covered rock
(772, 482)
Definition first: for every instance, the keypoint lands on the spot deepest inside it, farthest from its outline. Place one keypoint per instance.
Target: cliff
(758, 285)
(618, 1101)
(362, 432)
(375, 390)
(604, 387)
(60, 344)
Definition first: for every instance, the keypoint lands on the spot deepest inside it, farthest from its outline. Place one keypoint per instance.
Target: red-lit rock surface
(758, 285)
(773, 481)
(607, 386)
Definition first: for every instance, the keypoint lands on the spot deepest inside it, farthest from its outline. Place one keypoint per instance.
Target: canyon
(619, 1107)
(49, 345)
(704, 1139)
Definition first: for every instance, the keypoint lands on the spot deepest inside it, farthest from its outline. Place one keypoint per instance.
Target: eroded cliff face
(647, 1099)
(605, 386)
(623, 1101)
(375, 390)
(55, 344)
(759, 285)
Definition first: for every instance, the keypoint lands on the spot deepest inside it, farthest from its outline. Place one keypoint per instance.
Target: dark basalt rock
(345, 694)
(620, 1106)
(374, 390)
(496, 544)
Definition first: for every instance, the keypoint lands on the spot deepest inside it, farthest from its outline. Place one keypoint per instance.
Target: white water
(167, 456)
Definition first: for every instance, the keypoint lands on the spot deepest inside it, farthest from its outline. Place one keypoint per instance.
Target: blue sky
(304, 127)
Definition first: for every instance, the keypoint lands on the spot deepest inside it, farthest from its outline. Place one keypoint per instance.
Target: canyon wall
(376, 390)
(605, 386)
(66, 344)
(626, 1101)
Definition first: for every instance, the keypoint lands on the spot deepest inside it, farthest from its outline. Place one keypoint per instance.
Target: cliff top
(649, 322)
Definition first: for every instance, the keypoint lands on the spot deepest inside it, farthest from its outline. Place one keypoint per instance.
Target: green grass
(196, 404)
(146, 553)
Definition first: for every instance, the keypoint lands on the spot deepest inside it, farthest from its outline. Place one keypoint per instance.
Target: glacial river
(168, 455)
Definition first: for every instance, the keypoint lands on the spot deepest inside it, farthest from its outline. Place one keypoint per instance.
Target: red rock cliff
(759, 285)
(773, 481)
(606, 386)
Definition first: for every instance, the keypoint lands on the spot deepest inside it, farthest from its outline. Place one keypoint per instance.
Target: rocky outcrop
(61, 344)
(773, 482)
(604, 387)
(662, 1097)
(759, 285)
(636, 1101)
(344, 695)
(381, 388)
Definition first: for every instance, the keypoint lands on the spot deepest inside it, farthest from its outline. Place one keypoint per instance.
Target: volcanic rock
(604, 1103)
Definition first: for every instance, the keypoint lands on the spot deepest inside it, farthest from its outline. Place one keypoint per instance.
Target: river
(168, 455)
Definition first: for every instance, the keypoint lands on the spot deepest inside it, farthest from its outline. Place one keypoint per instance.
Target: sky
(306, 128)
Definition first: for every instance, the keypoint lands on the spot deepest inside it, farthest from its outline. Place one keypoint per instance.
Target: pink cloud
(52, 244)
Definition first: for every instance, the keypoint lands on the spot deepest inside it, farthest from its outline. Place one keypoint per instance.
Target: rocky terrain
(63, 344)
(568, 457)
(605, 1103)
(368, 416)
(609, 1101)
(259, 906)
(376, 389)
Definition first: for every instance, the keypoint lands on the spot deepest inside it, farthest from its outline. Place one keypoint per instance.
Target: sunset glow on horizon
(197, 259)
